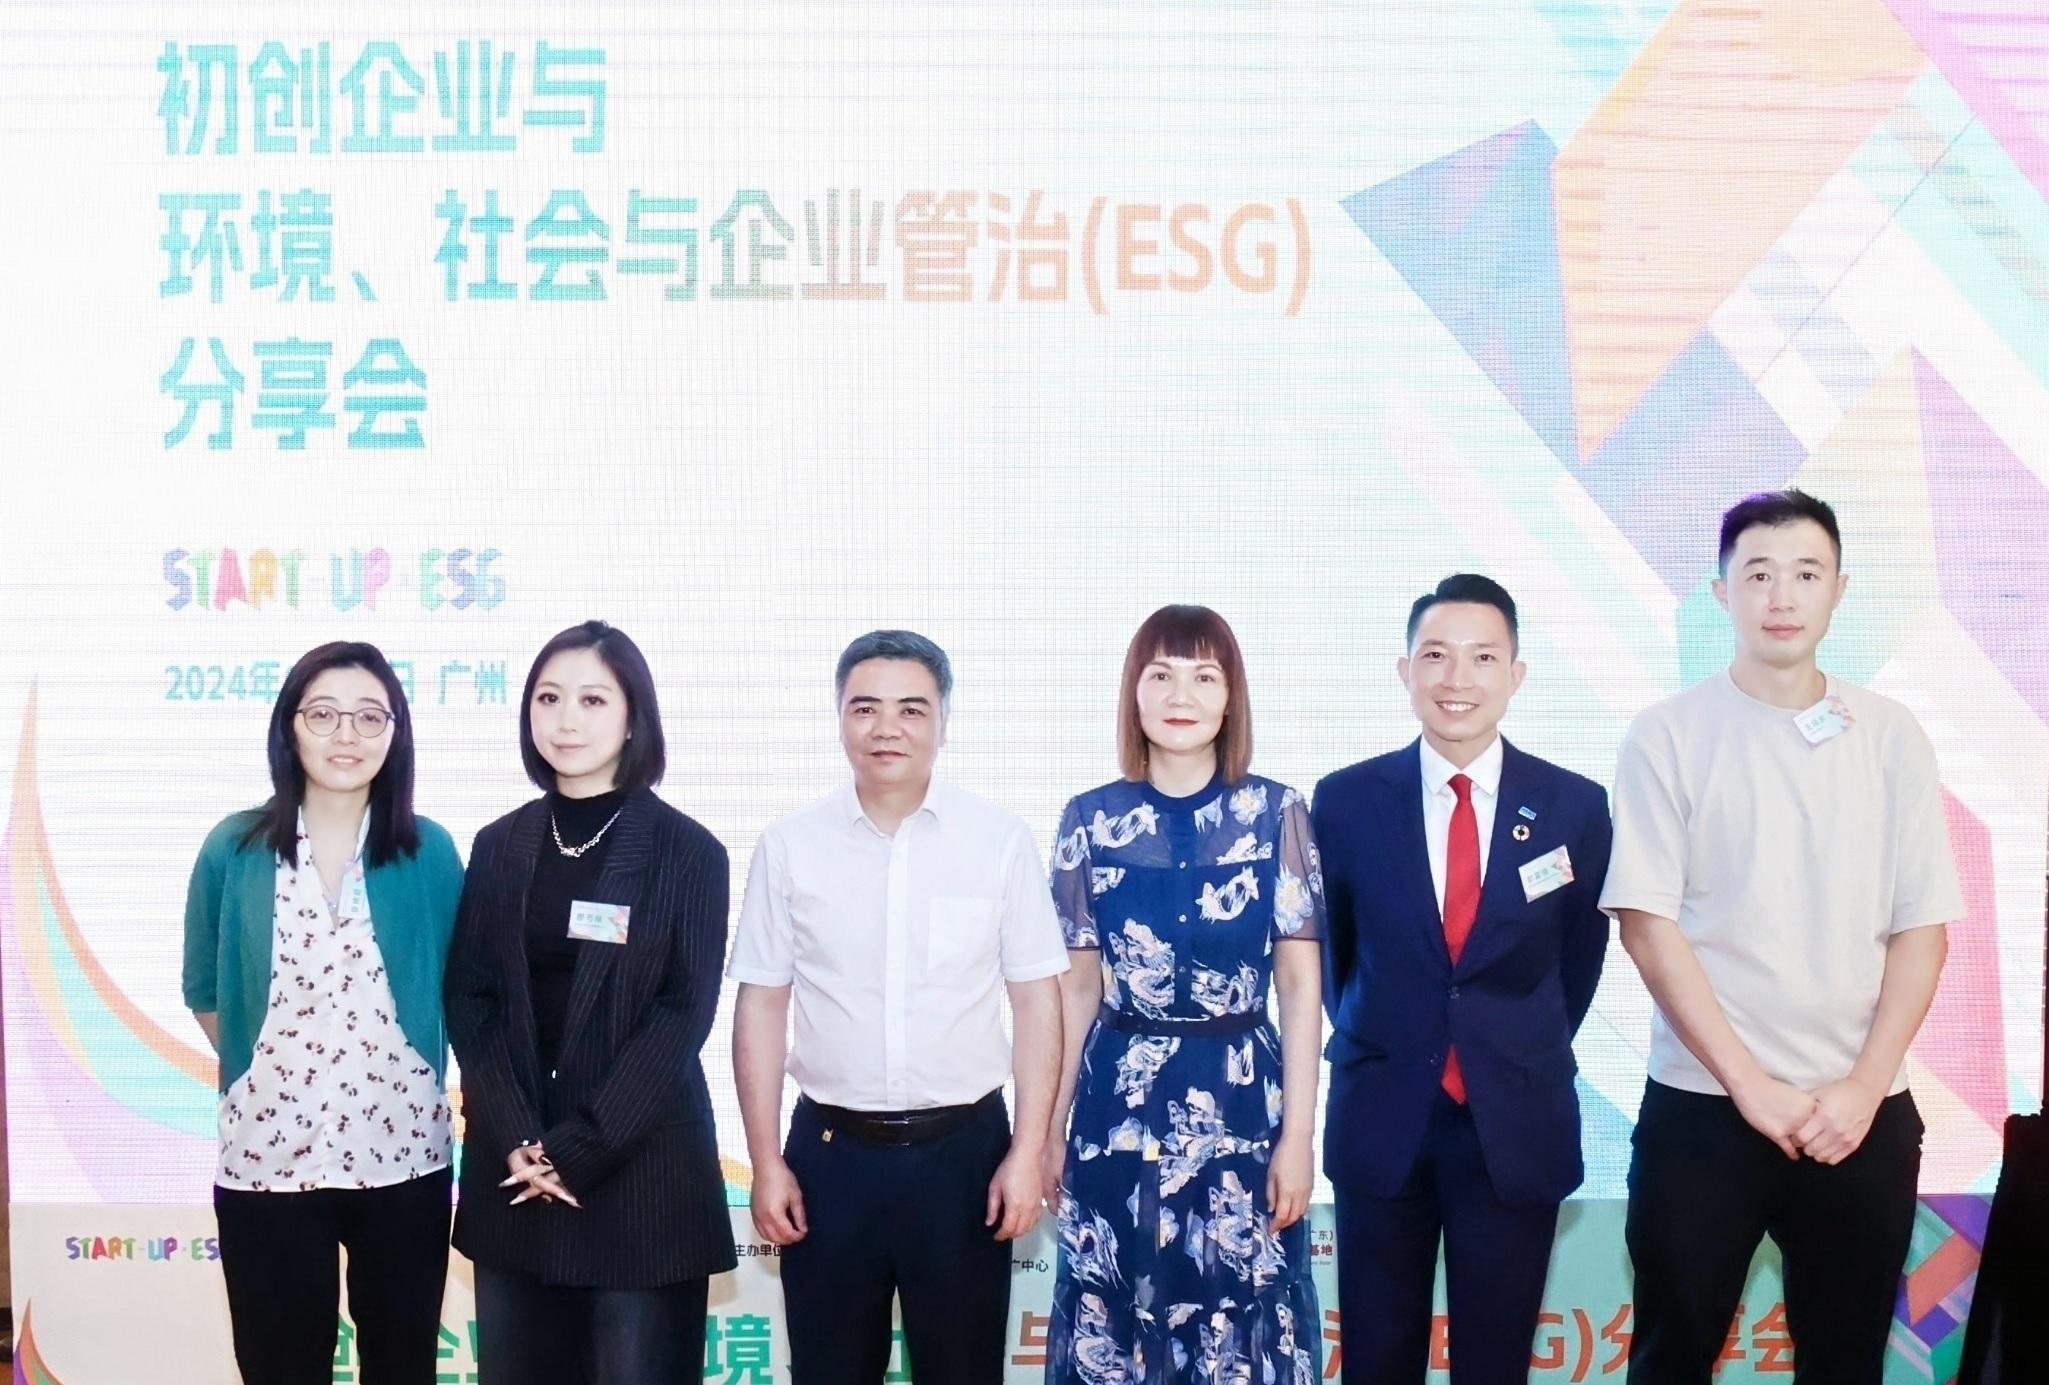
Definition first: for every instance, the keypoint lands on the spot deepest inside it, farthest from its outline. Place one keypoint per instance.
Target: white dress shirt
(1439, 800)
(896, 948)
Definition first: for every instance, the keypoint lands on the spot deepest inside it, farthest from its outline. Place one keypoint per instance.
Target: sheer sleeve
(1073, 878)
(1298, 888)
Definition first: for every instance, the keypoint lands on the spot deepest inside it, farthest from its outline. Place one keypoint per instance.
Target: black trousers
(530, 1333)
(1705, 1188)
(280, 1256)
(892, 1221)
(1496, 1258)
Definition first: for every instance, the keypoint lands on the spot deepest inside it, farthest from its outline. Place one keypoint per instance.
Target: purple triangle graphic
(1989, 76)
(1475, 235)
(1699, 440)
(1990, 516)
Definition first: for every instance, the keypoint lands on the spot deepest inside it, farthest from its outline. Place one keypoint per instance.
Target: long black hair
(646, 755)
(393, 830)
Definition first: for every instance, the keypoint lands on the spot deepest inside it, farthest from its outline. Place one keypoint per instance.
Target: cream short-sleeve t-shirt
(1787, 865)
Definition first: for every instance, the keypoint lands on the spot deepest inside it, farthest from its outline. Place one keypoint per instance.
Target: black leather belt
(1213, 1026)
(897, 1127)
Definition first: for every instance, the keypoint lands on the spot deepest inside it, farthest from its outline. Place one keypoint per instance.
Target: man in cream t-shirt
(1782, 874)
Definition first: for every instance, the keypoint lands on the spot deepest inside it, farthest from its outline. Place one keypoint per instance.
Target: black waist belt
(898, 1127)
(1210, 1026)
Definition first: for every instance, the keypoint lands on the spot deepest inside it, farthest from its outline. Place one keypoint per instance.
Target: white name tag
(1825, 720)
(598, 923)
(1551, 871)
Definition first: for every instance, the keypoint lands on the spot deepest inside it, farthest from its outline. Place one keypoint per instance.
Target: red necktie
(1461, 900)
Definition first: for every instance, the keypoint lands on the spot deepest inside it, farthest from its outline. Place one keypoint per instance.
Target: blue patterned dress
(1168, 1268)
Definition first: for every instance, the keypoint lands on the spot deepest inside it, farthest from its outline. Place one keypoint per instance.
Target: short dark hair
(646, 755)
(1769, 510)
(1186, 632)
(393, 829)
(894, 644)
(1467, 587)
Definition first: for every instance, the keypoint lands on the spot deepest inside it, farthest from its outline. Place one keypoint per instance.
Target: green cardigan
(230, 920)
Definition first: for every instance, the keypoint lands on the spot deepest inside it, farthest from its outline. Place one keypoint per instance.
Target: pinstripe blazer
(625, 1115)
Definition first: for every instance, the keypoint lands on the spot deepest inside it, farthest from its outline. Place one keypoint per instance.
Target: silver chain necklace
(574, 851)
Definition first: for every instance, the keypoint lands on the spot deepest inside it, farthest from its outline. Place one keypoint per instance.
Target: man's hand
(777, 1204)
(1288, 1181)
(1841, 1119)
(1052, 1169)
(1777, 1110)
(1017, 1193)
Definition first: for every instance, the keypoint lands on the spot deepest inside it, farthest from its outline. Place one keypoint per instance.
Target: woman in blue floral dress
(1187, 1168)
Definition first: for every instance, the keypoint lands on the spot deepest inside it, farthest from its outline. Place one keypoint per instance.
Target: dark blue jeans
(530, 1333)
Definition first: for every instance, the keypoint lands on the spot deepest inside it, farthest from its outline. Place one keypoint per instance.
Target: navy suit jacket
(1512, 1004)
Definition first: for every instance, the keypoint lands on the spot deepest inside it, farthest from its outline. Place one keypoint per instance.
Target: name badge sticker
(598, 923)
(1551, 871)
(1825, 720)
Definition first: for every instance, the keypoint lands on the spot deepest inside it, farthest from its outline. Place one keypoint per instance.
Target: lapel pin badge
(1526, 812)
(1521, 832)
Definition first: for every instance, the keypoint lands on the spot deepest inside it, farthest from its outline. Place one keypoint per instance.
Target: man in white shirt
(1782, 874)
(897, 913)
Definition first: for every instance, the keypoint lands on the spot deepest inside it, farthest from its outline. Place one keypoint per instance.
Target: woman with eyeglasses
(316, 930)
(581, 986)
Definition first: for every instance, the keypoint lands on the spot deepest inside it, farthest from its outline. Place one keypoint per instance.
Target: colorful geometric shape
(1472, 233)
(29, 1366)
(1996, 57)
(1982, 225)
(1601, 36)
(129, 1088)
(1990, 513)
(1934, 1296)
(1604, 1129)
(1870, 468)
(103, 1030)
(1968, 1214)
(1706, 641)
(1962, 1041)
(1702, 419)
(1810, 326)
(1666, 196)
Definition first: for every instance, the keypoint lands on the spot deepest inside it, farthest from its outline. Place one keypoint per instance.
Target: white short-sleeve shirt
(896, 948)
(1787, 865)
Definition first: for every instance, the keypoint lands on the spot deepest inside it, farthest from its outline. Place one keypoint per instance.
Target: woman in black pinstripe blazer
(581, 986)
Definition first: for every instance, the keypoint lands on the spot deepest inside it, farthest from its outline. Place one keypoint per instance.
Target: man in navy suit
(1464, 945)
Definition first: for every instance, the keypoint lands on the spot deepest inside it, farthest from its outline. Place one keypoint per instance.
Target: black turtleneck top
(558, 881)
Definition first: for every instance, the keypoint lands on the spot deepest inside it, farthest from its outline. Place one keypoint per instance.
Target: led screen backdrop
(752, 327)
